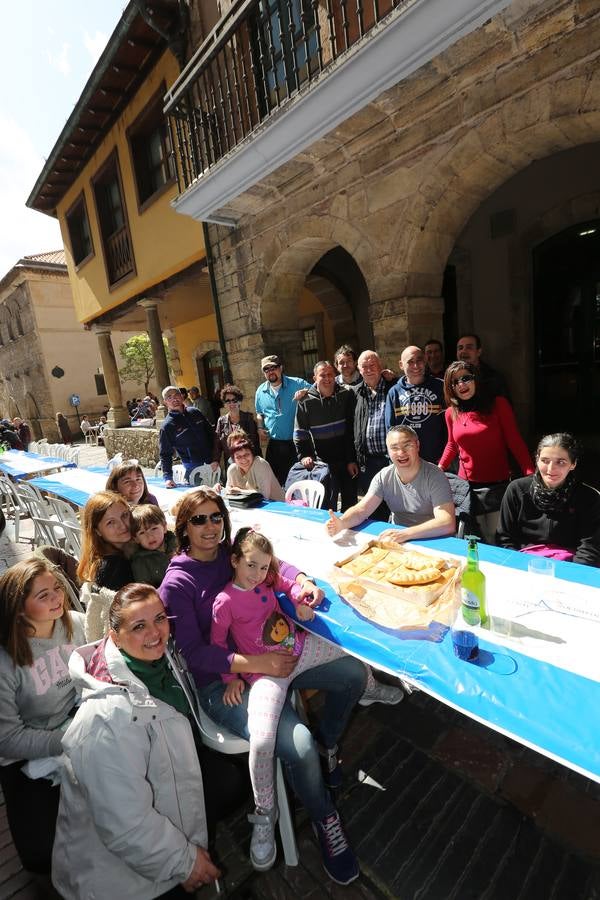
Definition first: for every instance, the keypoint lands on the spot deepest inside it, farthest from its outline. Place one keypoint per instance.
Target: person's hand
(352, 469)
(204, 872)
(310, 593)
(263, 433)
(334, 524)
(214, 466)
(169, 483)
(233, 692)
(390, 534)
(279, 663)
(300, 395)
(308, 462)
(305, 612)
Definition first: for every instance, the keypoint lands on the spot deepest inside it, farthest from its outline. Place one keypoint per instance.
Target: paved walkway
(466, 814)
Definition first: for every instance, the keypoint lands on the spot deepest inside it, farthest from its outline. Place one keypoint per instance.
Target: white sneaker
(263, 850)
(382, 693)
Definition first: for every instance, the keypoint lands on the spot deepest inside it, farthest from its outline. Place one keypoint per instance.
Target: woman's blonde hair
(93, 547)
(15, 586)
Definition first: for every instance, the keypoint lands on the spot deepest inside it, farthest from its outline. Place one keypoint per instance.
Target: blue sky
(49, 50)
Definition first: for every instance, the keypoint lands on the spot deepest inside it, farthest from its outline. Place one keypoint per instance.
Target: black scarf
(552, 500)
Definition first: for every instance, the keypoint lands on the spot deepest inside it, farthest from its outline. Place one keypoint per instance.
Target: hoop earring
(223, 536)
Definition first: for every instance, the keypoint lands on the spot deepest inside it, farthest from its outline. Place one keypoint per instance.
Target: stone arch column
(118, 417)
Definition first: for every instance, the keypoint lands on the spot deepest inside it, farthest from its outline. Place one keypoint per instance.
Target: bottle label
(469, 599)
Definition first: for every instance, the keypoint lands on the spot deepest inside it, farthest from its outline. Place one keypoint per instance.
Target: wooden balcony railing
(119, 258)
(254, 61)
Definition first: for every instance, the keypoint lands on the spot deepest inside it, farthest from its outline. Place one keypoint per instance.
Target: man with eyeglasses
(417, 400)
(469, 349)
(186, 432)
(275, 402)
(417, 493)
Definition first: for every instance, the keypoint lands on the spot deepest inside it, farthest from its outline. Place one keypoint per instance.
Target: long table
(78, 485)
(21, 464)
(537, 681)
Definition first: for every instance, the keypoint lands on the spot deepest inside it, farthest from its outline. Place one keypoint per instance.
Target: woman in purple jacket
(194, 578)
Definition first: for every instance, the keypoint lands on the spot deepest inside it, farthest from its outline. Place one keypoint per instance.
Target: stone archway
(286, 272)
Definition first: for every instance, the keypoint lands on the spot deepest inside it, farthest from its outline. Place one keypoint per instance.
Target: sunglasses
(464, 379)
(202, 518)
(268, 369)
(231, 400)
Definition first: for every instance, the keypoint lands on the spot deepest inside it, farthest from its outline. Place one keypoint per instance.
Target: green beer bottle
(473, 584)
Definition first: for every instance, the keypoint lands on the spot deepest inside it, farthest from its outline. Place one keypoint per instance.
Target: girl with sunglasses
(481, 432)
(193, 580)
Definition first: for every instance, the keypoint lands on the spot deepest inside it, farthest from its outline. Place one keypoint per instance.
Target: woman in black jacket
(553, 509)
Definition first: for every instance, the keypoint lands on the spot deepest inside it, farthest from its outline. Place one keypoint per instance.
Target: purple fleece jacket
(188, 591)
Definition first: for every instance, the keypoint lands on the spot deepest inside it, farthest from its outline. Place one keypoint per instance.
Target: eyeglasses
(464, 379)
(231, 400)
(202, 518)
(268, 369)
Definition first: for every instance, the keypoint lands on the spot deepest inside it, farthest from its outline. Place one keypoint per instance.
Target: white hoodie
(132, 803)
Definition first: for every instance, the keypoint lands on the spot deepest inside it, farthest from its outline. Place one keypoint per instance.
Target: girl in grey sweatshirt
(37, 635)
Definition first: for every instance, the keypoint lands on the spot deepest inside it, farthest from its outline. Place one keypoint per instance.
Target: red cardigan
(482, 441)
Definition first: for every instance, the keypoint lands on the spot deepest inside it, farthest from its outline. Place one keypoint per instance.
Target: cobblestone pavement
(466, 814)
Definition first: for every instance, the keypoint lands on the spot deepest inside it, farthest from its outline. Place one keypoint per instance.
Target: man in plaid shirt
(369, 424)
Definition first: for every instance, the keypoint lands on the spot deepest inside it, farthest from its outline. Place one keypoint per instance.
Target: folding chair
(218, 738)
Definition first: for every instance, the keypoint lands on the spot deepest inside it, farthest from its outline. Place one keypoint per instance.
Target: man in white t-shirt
(417, 493)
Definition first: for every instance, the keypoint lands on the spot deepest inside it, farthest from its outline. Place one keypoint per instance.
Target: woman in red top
(481, 430)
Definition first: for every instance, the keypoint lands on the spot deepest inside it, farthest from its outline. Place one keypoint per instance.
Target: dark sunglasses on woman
(202, 518)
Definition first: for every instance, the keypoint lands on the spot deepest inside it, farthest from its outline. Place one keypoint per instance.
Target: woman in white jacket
(132, 819)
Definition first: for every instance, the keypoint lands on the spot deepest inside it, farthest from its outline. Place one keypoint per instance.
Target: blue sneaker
(338, 859)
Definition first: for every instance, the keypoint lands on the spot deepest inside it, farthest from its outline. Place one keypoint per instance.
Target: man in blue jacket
(186, 432)
(417, 400)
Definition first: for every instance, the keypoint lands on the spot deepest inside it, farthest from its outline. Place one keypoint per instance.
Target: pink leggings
(267, 696)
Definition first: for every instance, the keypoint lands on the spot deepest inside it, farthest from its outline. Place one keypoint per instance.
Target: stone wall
(133, 443)
(396, 183)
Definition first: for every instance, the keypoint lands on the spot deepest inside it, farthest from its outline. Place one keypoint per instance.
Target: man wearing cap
(186, 432)
(275, 403)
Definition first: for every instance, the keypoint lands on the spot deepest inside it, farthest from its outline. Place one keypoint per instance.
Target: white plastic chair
(73, 455)
(33, 447)
(179, 474)
(312, 492)
(205, 475)
(218, 738)
(62, 511)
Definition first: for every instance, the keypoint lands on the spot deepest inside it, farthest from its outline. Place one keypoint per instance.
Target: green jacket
(149, 566)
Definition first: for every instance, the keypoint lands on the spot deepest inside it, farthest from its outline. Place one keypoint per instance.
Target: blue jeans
(343, 680)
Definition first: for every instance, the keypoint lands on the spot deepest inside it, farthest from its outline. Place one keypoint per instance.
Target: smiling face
(346, 366)
(144, 629)
(44, 603)
(273, 374)
(463, 385)
(324, 379)
(131, 486)
(250, 568)
(205, 537)
(554, 464)
(412, 363)
(244, 459)
(115, 525)
(403, 451)
(369, 366)
(467, 349)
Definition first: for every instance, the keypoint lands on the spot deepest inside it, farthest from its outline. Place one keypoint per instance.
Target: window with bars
(310, 351)
(112, 218)
(151, 150)
(78, 226)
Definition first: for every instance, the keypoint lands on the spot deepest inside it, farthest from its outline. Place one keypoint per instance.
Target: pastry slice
(405, 577)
